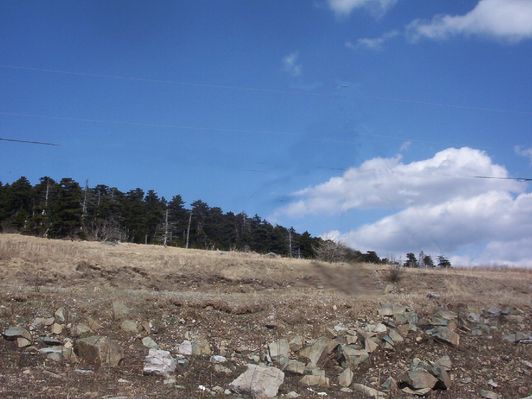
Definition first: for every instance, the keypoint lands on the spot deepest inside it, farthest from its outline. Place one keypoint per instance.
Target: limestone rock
(60, 315)
(159, 362)
(352, 357)
(258, 381)
(295, 367)
(278, 349)
(218, 359)
(369, 392)
(57, 328)
(420, 379)
(23, 342)
(129, 326)
(315, 351)
(185, 348)
(488, 394)
(315, 380)
(345, 378)
(148, 342)
(99, 350)
(12, 333)
(201, 347)
(296, 343)
(445, 334)
(80, 329)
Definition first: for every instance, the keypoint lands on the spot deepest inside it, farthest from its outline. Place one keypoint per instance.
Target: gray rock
(445, 334)
(296, 343)
(258, 381)
(80, 329)
(292, 395)
(120, 310)
(201, 347)
(185, 348)
(420, 379)
(370, 345)
(23, 342)
(60, 315)
(345, 378)
(148, 342)
(159, 362)
(445, 362)
(295, 367)
(314, 381)
(369, 392)
(278, 349)
(488, 394)
(57, 328)
(130, 326)
(389, 384)
(50, 341)
(395, 336)
(315, 351)
(218, 359)
(352, 357)
(99, 350)
(12, 333)
(222, 369)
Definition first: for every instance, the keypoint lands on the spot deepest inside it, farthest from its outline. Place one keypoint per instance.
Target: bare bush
(394, 274)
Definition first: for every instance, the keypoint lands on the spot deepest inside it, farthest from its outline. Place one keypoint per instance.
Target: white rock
(259, 381)
(159, 362)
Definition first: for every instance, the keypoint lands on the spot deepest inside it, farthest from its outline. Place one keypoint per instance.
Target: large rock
(201, 347)
(316, 350)
(130, 326)
(445, 334)
(346, 377)
(420, 379)
(159, 362)
(99, 350)
(185, 348)
(12, 333)
(258, 381)
(352, 357)
(279, 349)
(295, 367)
(369, 392)
(315, 381)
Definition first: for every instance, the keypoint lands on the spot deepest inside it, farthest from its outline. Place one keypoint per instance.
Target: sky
(366, 121)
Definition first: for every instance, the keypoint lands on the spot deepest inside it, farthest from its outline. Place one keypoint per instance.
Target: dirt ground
(240, 303)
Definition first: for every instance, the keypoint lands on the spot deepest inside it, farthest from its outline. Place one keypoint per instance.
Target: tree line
(65, 209)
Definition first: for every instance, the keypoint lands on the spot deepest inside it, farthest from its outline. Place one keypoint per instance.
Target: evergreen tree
(411, 260)
(66, 209)
(443, 262)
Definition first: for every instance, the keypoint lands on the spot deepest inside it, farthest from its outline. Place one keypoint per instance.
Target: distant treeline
(64, 209)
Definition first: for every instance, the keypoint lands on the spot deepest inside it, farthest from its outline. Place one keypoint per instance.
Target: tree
(66, 209)
(427, 260)
(411, 260)
(443, 262)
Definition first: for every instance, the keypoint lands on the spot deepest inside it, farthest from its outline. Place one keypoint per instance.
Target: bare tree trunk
(188, 229)
(165, 238)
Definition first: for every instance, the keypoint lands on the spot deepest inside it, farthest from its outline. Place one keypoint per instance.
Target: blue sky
(254, 106)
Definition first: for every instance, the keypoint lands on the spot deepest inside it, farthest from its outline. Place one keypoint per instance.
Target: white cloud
(435, 205)
(390, 183)
(291, 64)
(372, 43)
(508, 20)
(344, 7)
(524, 152)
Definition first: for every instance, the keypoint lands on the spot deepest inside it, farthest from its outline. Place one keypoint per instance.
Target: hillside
(309, 319)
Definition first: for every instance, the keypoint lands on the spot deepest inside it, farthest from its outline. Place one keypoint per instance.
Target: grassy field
(239, 302)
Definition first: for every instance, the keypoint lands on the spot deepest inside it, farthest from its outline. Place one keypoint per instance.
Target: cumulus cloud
(344, 7)
(435, 205)
(291, 64)
(524, 152)
(390, 183)
(372, 43)
(508, 20)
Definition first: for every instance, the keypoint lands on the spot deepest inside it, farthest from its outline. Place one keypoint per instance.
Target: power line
(28, 142)
(299, 91)
(522, 179)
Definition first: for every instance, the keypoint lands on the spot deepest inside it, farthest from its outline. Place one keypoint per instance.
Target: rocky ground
(127, 321)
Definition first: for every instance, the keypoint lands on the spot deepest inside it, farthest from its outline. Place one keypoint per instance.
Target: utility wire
(522, 179)
(29, 142)
(261, 89)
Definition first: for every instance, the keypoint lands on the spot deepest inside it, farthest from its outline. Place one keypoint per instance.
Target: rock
(488, 394)
(201, 347)
(386, 309)
(148, 342)
(369, 392)
(99, 350)
(57, 328)
(12, 333)
(60, 315)
(159, 362)
(292, 395)
(295, 367)
(129, 326)
(345, 378)
(258, 381)
(222, 369)
(388, 289)
(23, 342)
(42, 321)
(420, 379)
(370, 345)
(185, 348)
(444, 381)
(389, 384)
(395, 336)
(314, 351)
(445, 362)
(418, 392)
(51, 341)
(352, 357)
(351, 339)
(120, 310)
(296, 343)
(446, 335)
(380, 328)
(314, 381)
(278, 349)
(80, 329)
(93, 324)
(218, 359)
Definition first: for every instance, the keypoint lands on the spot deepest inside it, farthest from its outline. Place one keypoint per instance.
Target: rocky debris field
(393, 352)
(88, 320)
